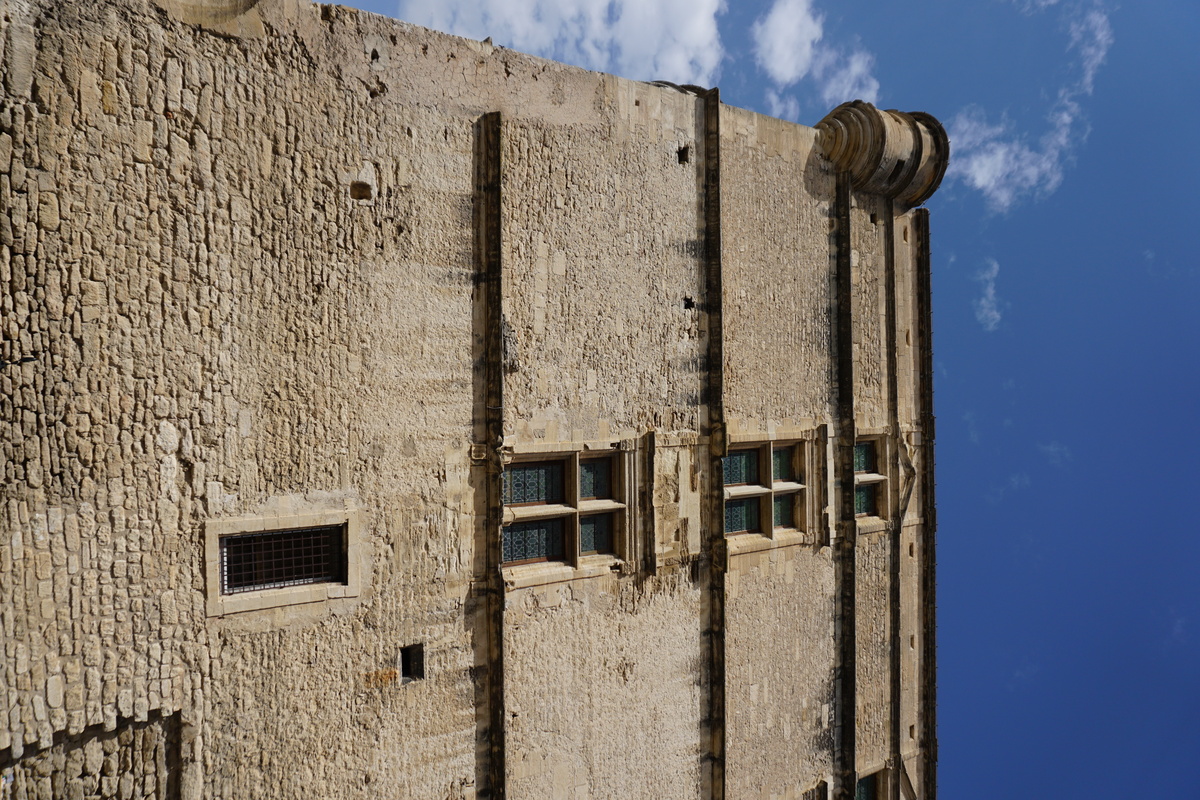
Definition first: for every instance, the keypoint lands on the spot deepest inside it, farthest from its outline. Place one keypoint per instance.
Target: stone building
(386, 414)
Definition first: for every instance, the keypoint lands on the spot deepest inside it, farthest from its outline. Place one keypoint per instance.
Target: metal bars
(275, 559)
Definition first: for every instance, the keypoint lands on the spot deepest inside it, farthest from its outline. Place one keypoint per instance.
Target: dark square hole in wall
(360, 190)
(684, 154)
(412, 663)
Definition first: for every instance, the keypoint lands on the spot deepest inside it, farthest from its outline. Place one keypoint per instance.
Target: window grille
(785, 510)
(741, 467)
(596, 534)
(864, 501)
(595, 479)
(275, 559)
(864, 457)
(867, 788)
(741, 516)
(540, 482)
(540, 540)
(783, 467)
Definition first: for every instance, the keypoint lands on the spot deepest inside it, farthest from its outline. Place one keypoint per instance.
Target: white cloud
(782, 106)
(1025, 673)
(987, 305)
(850, 79)
(972, 426)
(785, 40)
(1056, 453)
(673, 40)
(1033, 6)
(1001, 163)
(788, 47)
(1092, 36)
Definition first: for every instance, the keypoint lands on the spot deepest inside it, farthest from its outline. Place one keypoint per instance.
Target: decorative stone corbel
(901, 155)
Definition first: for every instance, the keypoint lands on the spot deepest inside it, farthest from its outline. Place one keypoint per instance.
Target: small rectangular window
(275, 559)
(412, 663)
(741, 467)
(539, 540)
(867, 479)
(869, 787)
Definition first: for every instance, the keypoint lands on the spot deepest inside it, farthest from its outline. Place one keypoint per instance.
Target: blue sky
(1066, 289)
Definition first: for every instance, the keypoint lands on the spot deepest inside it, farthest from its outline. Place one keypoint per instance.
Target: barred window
(275, 559)
(264, 562)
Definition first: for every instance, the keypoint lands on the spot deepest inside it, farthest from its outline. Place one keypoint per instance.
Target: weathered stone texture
(137, 761)
(593, 212)
(779, 652)
(873, 635)
(603, 688)
(868, 298)
(776, 196)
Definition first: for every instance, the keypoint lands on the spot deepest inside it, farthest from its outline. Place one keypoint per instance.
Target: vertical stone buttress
(488, 175)
(928, 588)
(716, 550)
(845, 525)
(901, 157)
(896, 523)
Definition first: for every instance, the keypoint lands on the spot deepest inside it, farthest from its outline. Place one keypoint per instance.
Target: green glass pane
(864, 500)
(530, 541)
(741, 515)
(785, 511)
(596, 534)
(534, 483)
(595, 478)
(782, 464)
(741, 466)
(864, 457)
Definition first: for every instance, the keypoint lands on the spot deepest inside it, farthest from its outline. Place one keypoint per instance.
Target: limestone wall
(776, 207)
(780, 690)
(243, 281)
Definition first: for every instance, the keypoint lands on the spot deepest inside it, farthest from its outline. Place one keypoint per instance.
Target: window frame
(768, 488)
(219, 604)
(874, 478)
(875, 783)
(575, 507)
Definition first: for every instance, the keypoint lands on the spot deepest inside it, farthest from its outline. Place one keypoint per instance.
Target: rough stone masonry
(388, 414)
